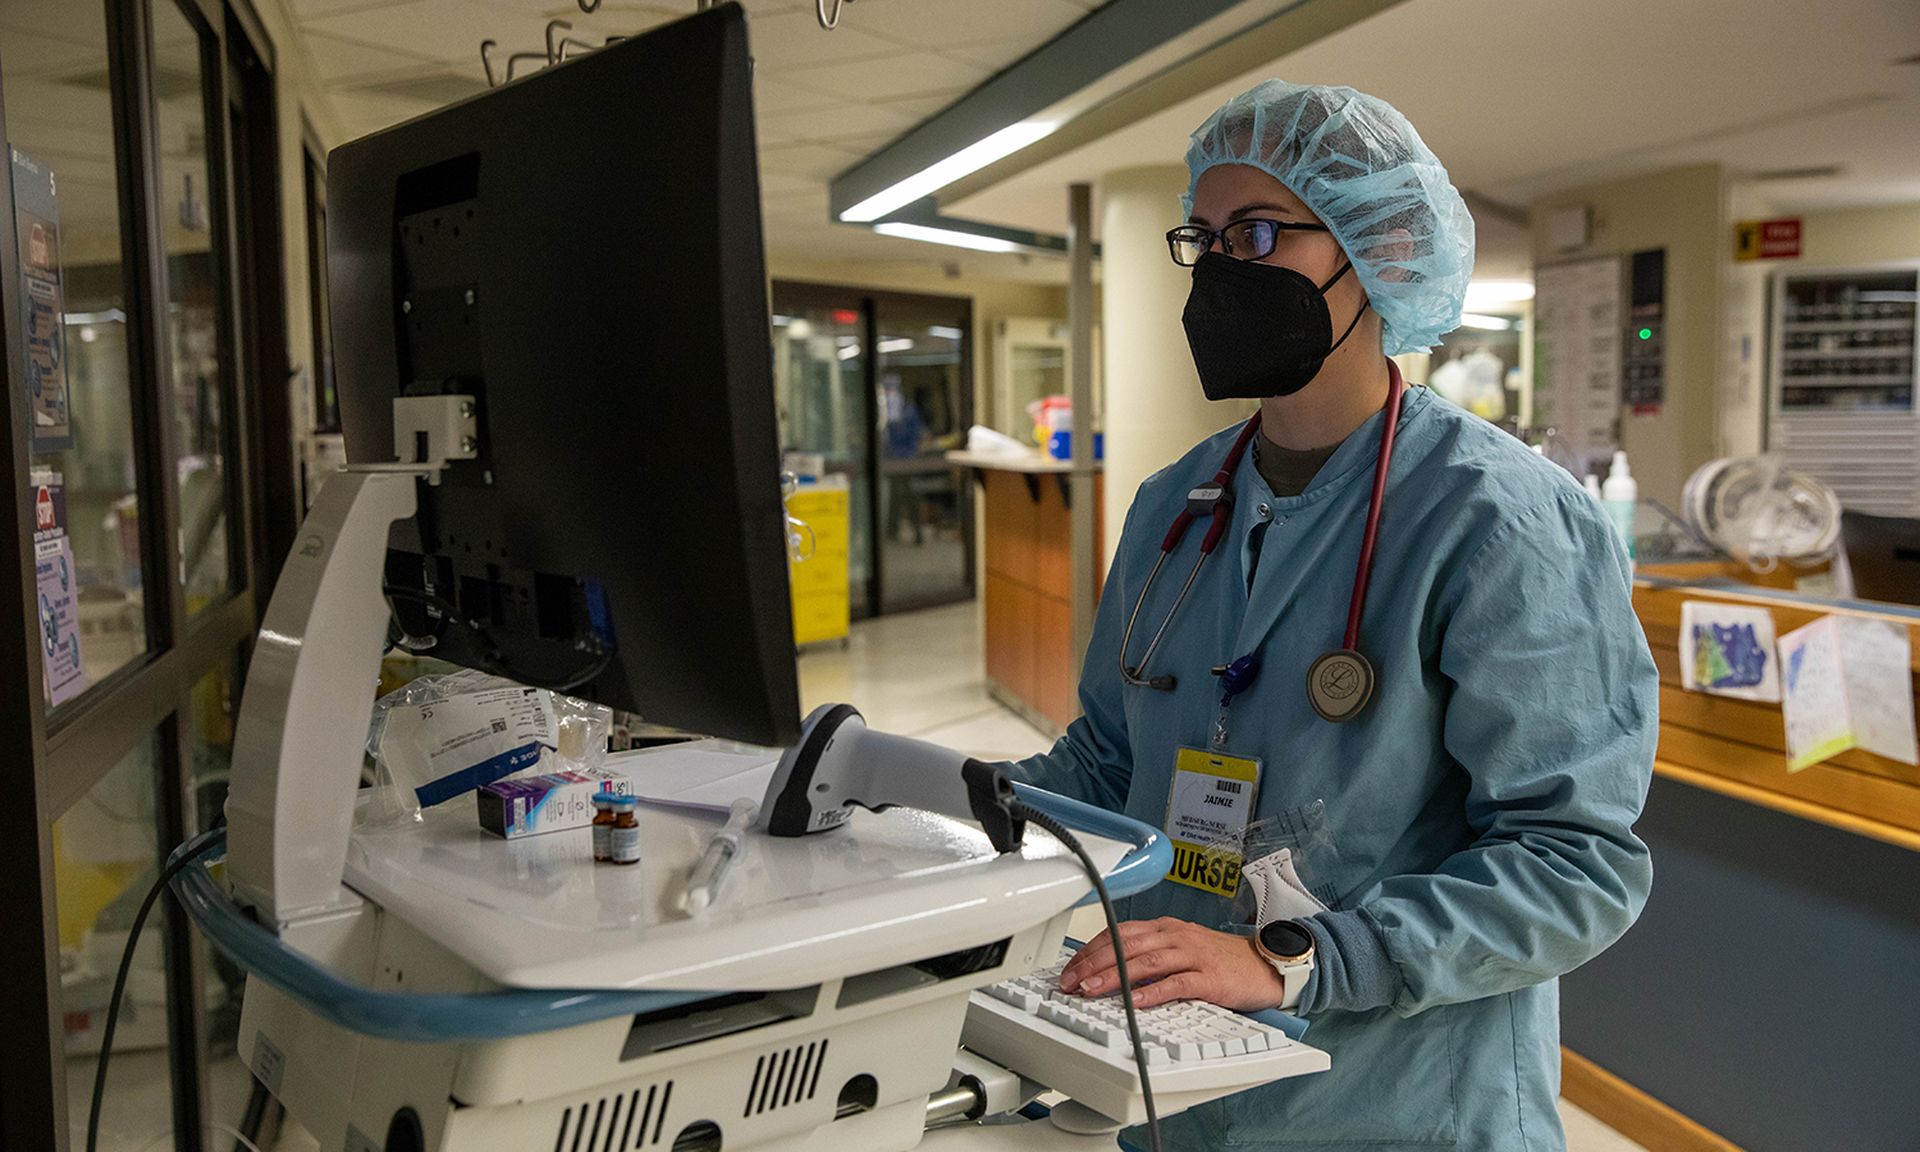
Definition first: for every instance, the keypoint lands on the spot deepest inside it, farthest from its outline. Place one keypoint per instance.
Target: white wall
(1684, 211)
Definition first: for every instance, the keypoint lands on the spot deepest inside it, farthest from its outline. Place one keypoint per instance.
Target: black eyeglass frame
(1194, 234)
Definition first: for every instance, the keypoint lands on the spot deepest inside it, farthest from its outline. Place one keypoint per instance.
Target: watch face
(1286, 939)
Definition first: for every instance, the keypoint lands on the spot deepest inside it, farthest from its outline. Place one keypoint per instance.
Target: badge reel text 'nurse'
(1340, 683)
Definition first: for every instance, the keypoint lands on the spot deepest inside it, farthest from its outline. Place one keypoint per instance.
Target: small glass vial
(624, 836)
(603, 826)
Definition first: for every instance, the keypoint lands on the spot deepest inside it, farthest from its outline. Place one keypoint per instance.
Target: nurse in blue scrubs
(1404, 794)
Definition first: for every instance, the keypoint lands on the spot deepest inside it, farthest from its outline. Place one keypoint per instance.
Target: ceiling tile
(841, 122)
(304, 10)
(435, 29)
(339, 60)
(921, 107)
(941, 23)
(775, 185)
(898, 75)
(778, 97)
(790, 40)
(819, 161)
(371, 113)
(993, 55)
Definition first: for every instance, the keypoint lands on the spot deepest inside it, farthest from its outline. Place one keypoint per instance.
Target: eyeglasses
(1242, 239)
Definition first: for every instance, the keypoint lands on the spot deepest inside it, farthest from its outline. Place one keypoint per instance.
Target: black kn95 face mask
(1258, 330)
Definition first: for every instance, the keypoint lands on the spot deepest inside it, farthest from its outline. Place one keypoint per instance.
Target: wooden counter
(1738, 747)
(1763, 999)
(1031, 666)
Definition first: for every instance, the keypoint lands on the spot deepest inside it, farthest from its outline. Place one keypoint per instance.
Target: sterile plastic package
(444, 736)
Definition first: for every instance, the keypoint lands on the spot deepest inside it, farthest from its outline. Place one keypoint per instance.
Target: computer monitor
(580, 251)
(1884, 554)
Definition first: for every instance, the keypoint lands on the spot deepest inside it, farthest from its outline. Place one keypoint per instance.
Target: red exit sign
(1767, 239)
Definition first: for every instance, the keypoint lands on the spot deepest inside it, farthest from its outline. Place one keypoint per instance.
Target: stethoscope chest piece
(1339, 685)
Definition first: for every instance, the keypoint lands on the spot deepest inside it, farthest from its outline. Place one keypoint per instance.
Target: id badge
(1208, 811)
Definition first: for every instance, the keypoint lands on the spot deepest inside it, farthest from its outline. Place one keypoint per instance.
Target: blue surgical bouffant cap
(1357, 163)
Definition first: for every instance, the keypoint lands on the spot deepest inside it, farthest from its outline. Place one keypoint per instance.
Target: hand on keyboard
(1170, 959)
(1186, 1030)
(1078, 1045)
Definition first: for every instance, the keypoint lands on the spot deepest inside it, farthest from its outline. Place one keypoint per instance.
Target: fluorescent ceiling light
(899, 344)
(849, 352)
(936, 176)
(1484, 294)
(957, 239)
(1490, 323)
(942, 332)
(780, 321)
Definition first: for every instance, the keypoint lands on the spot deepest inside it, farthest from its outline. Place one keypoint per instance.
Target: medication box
(511, 809)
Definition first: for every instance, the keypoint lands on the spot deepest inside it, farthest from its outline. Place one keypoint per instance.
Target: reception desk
(1028, 592)
(1765, 1000)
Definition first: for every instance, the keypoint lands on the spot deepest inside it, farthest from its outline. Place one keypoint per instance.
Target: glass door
(821, 342)
(923, 401)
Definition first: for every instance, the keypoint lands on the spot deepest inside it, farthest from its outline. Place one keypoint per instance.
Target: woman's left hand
(1184, 961)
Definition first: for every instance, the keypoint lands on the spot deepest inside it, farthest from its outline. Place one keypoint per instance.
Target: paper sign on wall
(1847, 683)
(56, 592)
(1728, 650)
(43, 308)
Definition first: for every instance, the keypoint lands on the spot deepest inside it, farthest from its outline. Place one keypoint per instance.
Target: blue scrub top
(1471, 831)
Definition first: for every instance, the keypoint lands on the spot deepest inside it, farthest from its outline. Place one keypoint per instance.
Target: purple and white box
(556, 802)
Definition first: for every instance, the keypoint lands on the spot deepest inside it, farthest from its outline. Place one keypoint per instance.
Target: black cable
(492, 660)
(182, 856)
(1059, 832)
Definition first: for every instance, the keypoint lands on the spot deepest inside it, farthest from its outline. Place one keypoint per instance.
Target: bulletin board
(1577, 316)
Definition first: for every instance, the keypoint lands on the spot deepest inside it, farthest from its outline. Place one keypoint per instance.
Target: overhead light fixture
(1490, 323)
(950, 236)
(936, 176)
(899, 344)
(1483, 294)
(780, 321)
(942, 332)
(849, 352)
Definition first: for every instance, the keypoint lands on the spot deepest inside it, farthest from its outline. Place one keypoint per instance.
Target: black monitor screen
(580, 252)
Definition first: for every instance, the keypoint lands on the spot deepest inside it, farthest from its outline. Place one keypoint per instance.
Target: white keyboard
(1079, 1046)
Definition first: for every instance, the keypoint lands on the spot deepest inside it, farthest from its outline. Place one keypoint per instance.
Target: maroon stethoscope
(1340, 683)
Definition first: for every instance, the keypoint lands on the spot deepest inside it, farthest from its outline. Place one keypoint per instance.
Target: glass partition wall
(878, 387)
(122, 280)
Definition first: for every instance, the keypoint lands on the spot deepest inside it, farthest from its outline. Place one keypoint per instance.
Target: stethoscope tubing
(1364, 574)
(1222, 511)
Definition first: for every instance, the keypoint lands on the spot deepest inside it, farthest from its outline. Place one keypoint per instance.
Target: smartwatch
(1288, 946)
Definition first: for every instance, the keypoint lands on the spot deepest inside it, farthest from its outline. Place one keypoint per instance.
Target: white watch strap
(1294, 978)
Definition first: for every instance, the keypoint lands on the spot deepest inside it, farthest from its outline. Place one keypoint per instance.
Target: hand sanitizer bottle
(1620, 495)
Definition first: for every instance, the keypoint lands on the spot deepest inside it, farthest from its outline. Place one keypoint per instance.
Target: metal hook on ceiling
(589, 6)
(820, 9)
(486, 61)
(519, 56)
(553, 50)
